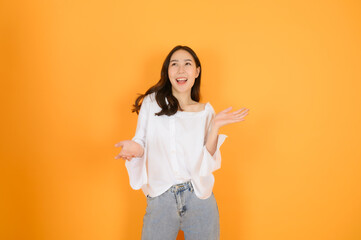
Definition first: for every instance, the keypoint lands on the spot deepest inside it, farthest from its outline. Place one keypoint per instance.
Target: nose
(180, 69)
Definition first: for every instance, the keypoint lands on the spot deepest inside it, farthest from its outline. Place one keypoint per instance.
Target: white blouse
(174, 150)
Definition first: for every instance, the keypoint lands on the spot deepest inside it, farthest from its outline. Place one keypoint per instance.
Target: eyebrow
(175, 60)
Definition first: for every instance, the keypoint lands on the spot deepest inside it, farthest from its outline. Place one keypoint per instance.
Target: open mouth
(181, 80)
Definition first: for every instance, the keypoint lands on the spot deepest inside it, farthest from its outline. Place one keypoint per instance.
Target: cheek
(192, 72)
(171, 72)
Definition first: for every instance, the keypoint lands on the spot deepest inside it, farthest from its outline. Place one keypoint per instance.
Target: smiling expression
(182, 71)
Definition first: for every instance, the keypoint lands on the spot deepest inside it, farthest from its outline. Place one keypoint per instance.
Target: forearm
(212, 140)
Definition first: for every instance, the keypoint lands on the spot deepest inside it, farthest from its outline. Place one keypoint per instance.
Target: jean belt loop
(190, 186)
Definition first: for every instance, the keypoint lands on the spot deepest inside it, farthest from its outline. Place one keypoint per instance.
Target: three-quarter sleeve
(211, 163)
(136, 167)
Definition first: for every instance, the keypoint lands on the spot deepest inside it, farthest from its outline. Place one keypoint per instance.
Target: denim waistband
(182, 187)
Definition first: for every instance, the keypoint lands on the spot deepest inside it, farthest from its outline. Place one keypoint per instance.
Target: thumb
(119, 144)
(226, 110)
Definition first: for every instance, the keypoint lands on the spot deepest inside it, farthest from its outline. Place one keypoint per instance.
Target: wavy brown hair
(163, 88)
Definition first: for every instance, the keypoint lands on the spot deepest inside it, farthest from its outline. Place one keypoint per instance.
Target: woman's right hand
(129, 150)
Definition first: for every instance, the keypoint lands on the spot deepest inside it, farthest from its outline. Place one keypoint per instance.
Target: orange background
(70, 71)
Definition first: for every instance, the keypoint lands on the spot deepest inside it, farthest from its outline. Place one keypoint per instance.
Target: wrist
(215, 127)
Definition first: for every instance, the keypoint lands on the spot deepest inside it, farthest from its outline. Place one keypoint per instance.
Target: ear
(198, 71)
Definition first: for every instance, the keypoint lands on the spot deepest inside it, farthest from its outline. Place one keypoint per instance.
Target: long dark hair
(163, 88)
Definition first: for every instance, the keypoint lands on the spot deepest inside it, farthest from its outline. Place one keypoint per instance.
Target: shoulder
(149, 98)
(209, 108)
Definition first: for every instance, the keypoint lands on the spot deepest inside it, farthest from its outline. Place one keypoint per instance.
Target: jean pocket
(149, 198)
(159, 196)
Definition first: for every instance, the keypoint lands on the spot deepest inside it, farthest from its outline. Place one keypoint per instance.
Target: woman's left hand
(226, 117)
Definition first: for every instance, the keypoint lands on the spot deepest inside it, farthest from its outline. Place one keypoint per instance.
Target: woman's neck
(184, 99)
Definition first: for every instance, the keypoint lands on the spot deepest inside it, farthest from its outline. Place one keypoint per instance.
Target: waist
(181, 187)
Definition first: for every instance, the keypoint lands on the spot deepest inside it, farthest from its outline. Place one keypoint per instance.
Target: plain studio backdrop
(70, 71)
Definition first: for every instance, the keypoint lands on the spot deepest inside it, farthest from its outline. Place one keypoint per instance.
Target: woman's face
(182, 71)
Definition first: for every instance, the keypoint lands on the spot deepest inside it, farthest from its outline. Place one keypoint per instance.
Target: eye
(173, 64)
(188, 63)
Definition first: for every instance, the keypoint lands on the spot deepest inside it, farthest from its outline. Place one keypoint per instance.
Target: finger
(239, 110)
(244, 113)
(233, 117)
(125, 155)
(122, 155)
(226, 110)
(244, 110)
(119, 144)
(241, 116)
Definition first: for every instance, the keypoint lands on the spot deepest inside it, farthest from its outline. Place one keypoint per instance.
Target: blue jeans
(180, 209)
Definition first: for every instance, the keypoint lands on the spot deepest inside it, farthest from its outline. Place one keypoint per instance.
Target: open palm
(129, 150)
(226, 117)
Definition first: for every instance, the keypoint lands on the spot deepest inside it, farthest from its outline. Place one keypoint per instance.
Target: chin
(177, 90)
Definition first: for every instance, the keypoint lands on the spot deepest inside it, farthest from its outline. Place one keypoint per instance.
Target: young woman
(175, 150)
